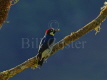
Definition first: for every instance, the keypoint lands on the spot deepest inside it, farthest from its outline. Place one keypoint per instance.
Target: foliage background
(30, 18)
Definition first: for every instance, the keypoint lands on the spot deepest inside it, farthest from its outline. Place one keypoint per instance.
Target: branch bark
(32, 62)
(4, 8)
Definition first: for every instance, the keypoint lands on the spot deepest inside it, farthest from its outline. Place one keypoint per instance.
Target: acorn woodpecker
(46, 45)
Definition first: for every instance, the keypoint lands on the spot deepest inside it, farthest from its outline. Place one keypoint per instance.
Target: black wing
(44, 44)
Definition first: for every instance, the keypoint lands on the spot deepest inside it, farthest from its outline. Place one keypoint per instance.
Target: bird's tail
(41, 60)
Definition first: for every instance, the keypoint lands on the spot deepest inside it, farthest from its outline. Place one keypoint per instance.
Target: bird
(46, 45)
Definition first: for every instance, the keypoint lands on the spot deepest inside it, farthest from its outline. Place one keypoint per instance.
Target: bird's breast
(46, 53)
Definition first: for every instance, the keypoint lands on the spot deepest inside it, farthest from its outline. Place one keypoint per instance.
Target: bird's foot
(45, 61)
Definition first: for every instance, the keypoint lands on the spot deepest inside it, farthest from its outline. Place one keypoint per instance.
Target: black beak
(56, 30)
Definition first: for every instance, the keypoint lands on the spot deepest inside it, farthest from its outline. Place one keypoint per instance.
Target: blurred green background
(84, 59)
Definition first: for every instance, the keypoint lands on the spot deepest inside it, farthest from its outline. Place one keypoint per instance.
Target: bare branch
(32, 62)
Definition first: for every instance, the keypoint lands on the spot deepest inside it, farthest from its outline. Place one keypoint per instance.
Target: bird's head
(51, 31)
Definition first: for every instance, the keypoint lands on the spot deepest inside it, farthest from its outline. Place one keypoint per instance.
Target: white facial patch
(51, 33)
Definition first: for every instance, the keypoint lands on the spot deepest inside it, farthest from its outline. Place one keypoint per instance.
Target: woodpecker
(46, 45)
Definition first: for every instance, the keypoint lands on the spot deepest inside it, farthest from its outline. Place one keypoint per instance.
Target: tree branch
(4, 9)
(32, 62)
